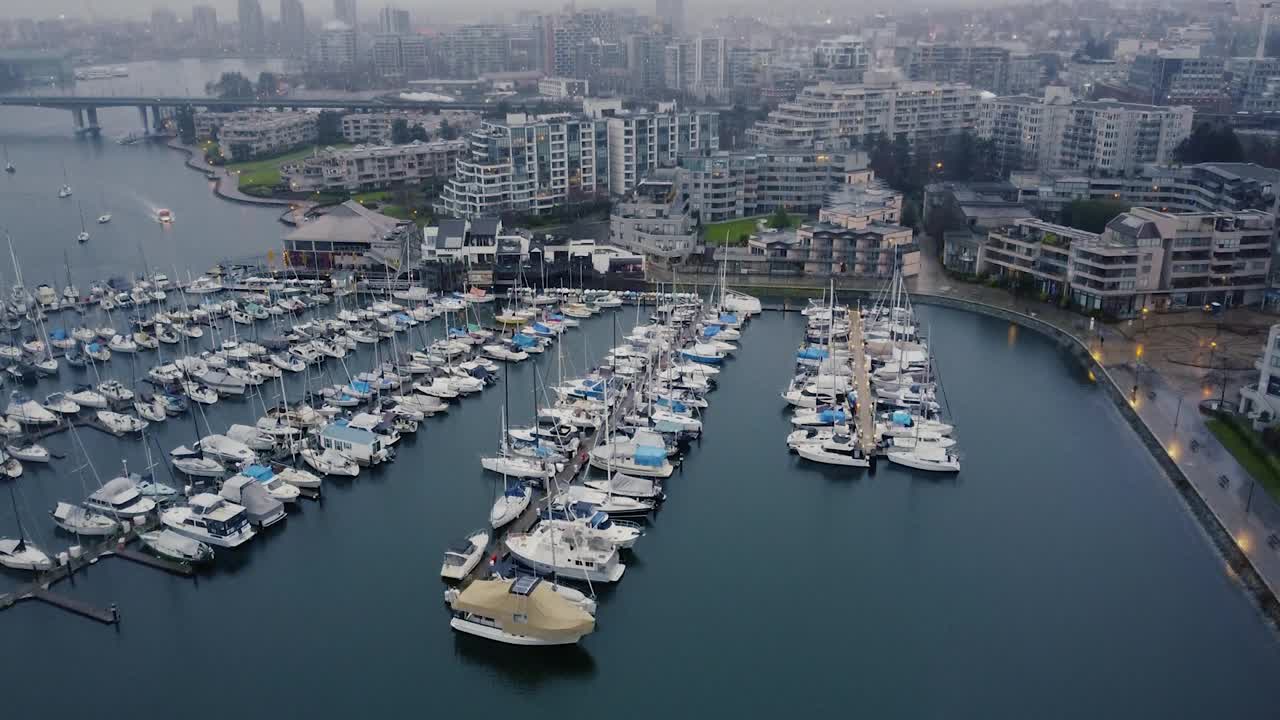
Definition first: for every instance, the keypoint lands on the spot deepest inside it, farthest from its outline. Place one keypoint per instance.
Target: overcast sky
(422, 9)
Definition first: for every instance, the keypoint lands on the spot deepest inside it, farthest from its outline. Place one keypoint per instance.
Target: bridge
(84, 108)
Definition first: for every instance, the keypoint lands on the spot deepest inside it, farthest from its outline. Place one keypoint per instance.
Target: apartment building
(842, 59)
(528, 165)
(1204, 187)
(654, 220)
(563, 87)
(375, 127)
(1059, 132)
(260, 134)
(987, 67)
(639, 142)
(1144, 258)
(831, 116)
(372, 168)
(1254, 83)
(1179, 79)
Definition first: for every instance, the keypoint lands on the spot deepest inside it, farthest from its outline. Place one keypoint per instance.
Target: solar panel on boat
(525, 584)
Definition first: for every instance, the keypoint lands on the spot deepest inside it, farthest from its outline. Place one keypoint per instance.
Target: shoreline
(232, 195)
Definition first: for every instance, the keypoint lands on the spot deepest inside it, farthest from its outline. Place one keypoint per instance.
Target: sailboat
(18, 554)
(84, 234)
(65, 190)
(8, 166)
(105, 217)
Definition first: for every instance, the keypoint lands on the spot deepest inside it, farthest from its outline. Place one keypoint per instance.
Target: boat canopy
(812, 353)
(902, 418)
(710, 331)
(674, 405)
(524, 341)
(729, 318)
(360, 386)
(650, 456)
(542, 612)
(58, 334)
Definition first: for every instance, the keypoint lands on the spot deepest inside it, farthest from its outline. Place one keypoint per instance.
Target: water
(131, 182)
(1057, 576)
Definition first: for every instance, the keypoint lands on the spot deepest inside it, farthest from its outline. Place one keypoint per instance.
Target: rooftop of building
(349, 222)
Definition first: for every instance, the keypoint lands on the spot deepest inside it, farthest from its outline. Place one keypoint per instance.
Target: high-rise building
(204, 27)
(677, 66)
(253, 39)
(710, 66)
(986, 67)
(393, 21)
(473, 50)
(164, 27)
(293, 29)
(843, 59)
(641, 142)
(645, 60)
(336, 48)
(344, 11)
(528, 165)
(831, 116)
(1171, 79)
(671, 13)
(1058, 132)
(400, 56)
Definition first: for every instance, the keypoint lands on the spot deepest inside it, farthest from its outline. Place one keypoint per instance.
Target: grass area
(734, 232)
(1246, 446)
(266, 172)
(377, 196)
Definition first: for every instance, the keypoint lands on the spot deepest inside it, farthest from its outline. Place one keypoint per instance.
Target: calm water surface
(1057, 576)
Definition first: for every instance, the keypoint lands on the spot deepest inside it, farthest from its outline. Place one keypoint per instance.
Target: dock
(862, 384)
(116, 546)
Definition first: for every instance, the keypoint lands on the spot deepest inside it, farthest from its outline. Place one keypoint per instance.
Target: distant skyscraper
(671, 13)
(393, 21)
(344, 11)
(336, 48)
(293, 28)
(204, 27)
(253, 40)
(164, 27)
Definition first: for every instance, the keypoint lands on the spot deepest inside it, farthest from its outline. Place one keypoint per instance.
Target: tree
(231, 85)
(1092, 215)
(400, 131)
(186, 119)
(910, 214)
(329, 127)
(268, 85)
(1210, 142)
(779, 220)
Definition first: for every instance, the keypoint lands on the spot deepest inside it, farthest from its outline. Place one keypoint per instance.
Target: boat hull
(492, 633)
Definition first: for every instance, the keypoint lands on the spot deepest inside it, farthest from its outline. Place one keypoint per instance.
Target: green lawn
(731, 232)
(377, 196)
(266, 172)
(1246, 446)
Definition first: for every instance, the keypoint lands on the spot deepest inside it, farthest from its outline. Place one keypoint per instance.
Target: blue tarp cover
(651, 456)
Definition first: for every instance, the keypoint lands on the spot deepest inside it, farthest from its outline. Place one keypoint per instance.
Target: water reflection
(553, 664)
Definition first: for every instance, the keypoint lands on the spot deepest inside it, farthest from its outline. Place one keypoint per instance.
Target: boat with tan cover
(520, 611)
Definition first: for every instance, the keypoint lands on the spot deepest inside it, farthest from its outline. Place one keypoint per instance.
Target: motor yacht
(210, 519)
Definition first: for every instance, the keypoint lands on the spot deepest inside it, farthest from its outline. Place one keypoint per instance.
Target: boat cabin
(363, 446)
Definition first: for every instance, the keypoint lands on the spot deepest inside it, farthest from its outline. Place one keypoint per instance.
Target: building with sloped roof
(352, 237)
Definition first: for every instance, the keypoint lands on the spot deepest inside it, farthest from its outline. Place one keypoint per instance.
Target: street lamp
(1145, 310)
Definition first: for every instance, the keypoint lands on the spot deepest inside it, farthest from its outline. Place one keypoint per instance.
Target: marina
(936, 588)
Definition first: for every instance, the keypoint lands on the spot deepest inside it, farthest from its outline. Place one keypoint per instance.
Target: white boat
(567, 552)
(330, 462)
(463, 556)
(30, 452)
(176, 547)
(926, 457)
(251, 436)
(287, 363)
(23, 410)
(122, 344)
(224, 380)
(18, 554)
(59, 403)
(518, 467)
(510, 504)
(613, 504)
(120, 498)
(632, 459)
(191, 462)
(104, 218)
(210, 519)
(202, 285)
(298, 478)
(152, 411)
(200, 393)
(438, 388)
(505, 352)
(524, 611)
(82, 522)
(836, 446)
(625, 485)
(120, 422)
(87, 397)
(225, 449)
